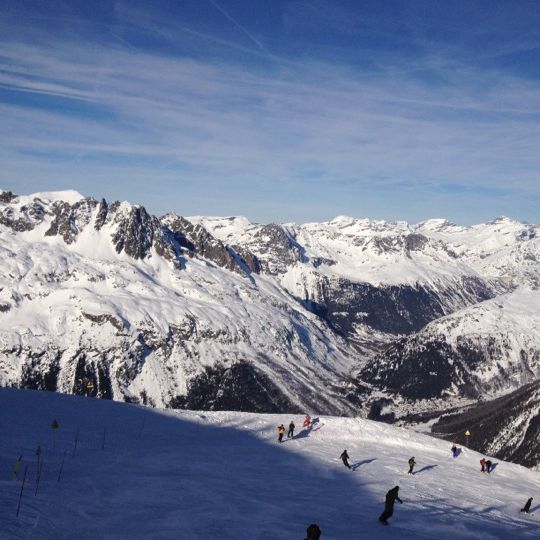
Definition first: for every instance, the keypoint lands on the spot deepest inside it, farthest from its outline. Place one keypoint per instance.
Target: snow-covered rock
(156, 311)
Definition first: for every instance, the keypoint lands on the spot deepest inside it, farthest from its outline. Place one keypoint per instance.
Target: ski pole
(76, 441)
(22, 487)
(61, 466)
(38, 477)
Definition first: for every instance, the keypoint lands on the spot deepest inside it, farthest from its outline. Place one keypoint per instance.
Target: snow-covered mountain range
(350, 316)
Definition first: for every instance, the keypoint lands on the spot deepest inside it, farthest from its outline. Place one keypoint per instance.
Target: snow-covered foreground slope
(189, 475)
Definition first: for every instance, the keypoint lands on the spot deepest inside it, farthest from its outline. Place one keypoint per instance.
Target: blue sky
(276, 110)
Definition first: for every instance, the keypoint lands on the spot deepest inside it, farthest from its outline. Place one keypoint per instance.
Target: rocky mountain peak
(70, 219)
(135, 230)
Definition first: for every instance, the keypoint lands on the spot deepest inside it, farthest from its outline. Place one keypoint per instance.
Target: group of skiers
(314, 531)
(290, 433)
(486, 465)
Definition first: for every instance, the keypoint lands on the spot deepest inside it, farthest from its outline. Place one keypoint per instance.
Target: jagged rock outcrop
(70, 219)
(197, 240)
(279, 248)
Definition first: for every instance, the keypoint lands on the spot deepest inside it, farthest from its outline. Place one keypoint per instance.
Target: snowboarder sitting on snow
(281, 431)
(345, 458)
(489, 466)
(313, 532)
(307, 421)
(527, 506)
(290, 433)
(391, 498)
(483, 465)
(412, 463)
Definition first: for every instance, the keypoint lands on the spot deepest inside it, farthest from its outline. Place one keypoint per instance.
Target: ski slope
(146, 473)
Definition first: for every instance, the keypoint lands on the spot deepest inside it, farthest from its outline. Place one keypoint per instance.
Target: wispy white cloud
(230, 125)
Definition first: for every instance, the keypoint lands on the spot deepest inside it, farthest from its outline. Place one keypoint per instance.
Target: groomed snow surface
(187, 475)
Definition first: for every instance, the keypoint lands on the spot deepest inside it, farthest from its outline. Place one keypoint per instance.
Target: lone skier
(290, 433)
(527, 506)
(89, 386)
(391, 498)
(454, 451)
(412, 463)
(345, 458)
(281, 431)
(483, 465)
(313, 532)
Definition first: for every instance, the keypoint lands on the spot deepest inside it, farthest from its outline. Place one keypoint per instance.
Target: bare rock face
(102, 214)
(248, 259)
(69, 220)
(26, 218)
(7, 196)
(198, 241)
(135, 232)
(280, 249)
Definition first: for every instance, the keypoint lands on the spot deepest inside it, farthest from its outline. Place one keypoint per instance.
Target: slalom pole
(61, 466)
(38, 477)
(76, 441)
(38, 456)
(22, 488)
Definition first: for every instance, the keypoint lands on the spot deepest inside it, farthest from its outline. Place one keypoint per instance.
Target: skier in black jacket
(290, 433)
(412, 463)
(313, 532)
(345, 458)
(391, 498)
(527, 506)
